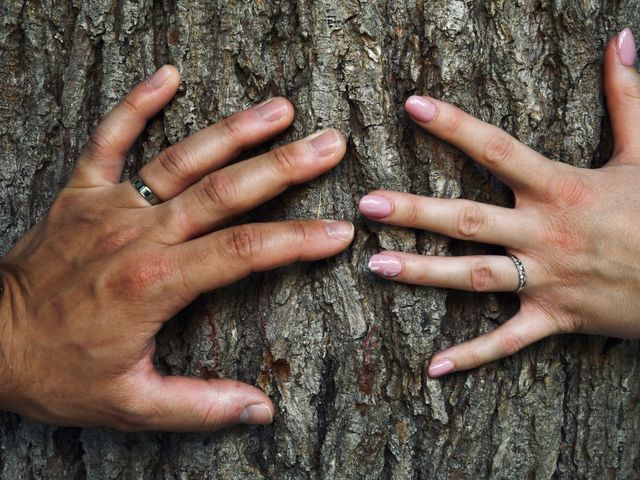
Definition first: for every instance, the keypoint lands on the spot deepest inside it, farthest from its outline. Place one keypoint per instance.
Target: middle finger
(240, 187)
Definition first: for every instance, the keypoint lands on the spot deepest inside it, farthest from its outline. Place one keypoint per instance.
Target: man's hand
(87, 289)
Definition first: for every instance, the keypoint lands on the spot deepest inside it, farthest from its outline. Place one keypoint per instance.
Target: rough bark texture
(340, 352)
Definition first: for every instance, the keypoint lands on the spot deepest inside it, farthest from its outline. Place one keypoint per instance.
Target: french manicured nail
(375, 206)
(159, 78)
(420, 108)
(272, 110)
(385, 265)
(325, 143)
(626, 48)
(257, 414)
(441, 367)
(339, 230)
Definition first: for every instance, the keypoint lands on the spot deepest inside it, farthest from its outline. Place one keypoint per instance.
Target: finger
(186, 162)
(522, 330)
(181, 404)
(240, 187)
(484, 273)
(228, 255)
(517, 165)
(102, 160)
(461, 219)
(622, 89)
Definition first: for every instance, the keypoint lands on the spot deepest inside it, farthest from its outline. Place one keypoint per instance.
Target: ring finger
(483, 273)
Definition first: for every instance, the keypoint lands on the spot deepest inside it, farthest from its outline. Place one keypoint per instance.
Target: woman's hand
(87, 289)
(575, 230)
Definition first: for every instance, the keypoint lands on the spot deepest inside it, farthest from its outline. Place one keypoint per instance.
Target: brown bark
(340, 352)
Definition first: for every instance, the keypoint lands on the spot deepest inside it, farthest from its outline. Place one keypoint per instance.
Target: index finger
(514, 163)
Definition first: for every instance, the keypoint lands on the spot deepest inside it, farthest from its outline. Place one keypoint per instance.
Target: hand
(87, 289)
(575, 230)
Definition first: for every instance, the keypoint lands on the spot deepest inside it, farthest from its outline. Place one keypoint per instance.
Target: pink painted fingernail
(325, 143)
(441, 367)
(420, 108)
(159, 78)
(626, 48)
(272, 110)
(385, 265)
(257, 414)
(375, 206)
(339, 230)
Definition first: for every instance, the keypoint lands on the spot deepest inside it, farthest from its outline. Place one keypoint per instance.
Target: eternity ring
(522, 275)
(145, 191)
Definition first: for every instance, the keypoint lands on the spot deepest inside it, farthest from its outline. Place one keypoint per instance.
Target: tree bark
(340, 352)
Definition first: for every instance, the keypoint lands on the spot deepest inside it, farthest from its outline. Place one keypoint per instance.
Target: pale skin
(574, 229)
(87, 289)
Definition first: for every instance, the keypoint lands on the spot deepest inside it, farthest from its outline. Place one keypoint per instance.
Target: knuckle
(498, 149)
(130, 106)
(631, 90)
(481, 277)
(413, 212)
(219, 191)
(470, 220)
(233, 130)
(511, 342)
(301, 233)
(245, 242)
(284, 161)
(453, 120)
(138, 277)
(176, 162)
(572, 190)
(99, 142)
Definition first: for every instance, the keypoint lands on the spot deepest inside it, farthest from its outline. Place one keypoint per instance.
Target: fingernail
(257, 414)
(385, 265)
(420, 108)
(272, 110)
(325, 143)
(626, 48)
(375, 206)
(339, 230)
(159, 78)
(441, 367)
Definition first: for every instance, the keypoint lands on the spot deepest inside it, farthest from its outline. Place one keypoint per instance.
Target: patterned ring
(145, 191)
(522, 275)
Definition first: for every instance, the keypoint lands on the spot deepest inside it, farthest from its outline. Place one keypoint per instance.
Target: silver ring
(145, 191)
(522, 275)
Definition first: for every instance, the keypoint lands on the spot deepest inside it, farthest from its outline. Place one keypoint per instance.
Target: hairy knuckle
(481, 276)
(284, 161)
(218, 191)
(498, 149)
(246, 242)
(470, 220)
(176, 162)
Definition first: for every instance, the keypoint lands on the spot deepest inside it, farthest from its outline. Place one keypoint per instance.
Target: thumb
(622, 89)
(181, 404)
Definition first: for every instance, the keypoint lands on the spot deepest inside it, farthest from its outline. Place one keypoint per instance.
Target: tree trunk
(340, 352)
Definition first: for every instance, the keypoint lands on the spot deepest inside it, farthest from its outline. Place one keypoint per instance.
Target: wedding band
(144, 190)
(522, 275)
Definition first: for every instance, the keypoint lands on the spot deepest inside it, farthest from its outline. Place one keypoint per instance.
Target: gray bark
(340, 352)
